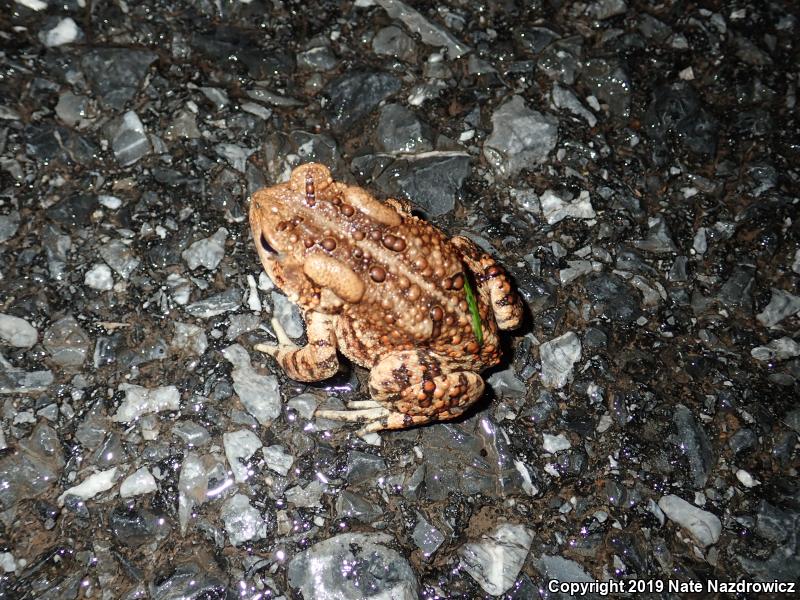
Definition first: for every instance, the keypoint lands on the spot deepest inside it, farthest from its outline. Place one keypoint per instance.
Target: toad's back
(397, 280)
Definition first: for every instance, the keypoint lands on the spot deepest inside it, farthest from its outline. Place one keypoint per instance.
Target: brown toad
(388, 290)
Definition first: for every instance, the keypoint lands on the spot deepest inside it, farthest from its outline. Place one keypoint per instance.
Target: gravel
(636, 174)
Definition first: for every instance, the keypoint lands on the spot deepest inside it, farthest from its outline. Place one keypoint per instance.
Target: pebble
(9, 224)
(555, 443)
(278, 459)
(558, 357)
(427, 537)
(141, 401)
(703, 526)
(374, 569)
(17, 332)
(192, 434)
(392, 41)
(287, 314)
(496, 559)
(99, 278)
(130, 142)
(564, 98)
(119, 257)
(193, 486)
(305, 497)
(115, 74)
(746, 479)
(355, 94)
(190, 338)
(65, 31)
(240, 446)
(521, 138)
(777, 350)
(217, 304)
(692, 440)
(429, 32)
(781, 305)
(555, 209)
(94, 484)
(235, 155)
(258, 393)
(67, 343)
(243, 523)
(207, 252)
(138, 483)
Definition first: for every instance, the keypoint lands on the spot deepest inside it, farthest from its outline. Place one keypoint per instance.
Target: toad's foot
(411, 387)
(422, 383)
(313, 362)
(285, 344)
(374, 419)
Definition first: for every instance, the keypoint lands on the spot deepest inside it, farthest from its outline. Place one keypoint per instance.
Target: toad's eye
(265, 244)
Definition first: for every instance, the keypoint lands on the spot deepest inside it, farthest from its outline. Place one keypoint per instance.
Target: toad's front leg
(313, 362)
(413, 387)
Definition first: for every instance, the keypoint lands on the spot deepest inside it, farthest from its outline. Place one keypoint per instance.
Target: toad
(388, 290)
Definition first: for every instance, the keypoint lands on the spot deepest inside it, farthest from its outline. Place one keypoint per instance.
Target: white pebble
(33, 4)
(141, 401)
(7, 563)
(253, 301)
(17, 332)
(705, 527)
(746, 479)
(111, 202)
(65, 32)
(99, 278)
(555, 443)
(138, 483)
(96, 483)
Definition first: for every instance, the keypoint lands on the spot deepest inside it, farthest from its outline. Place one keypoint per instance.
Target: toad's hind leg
(493, 283)
(413, 387)
(313, 362)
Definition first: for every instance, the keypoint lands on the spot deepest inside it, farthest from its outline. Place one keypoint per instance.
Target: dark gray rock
(32, 469)
(8, 225)
(353, 506)
(230, 46)
(427, 537)
(429, 32)
(559, 61)
(317, 58)
(355, 95)
(659, 238)
(363, 467)
(521, 138)
(610, 83)
(67, 343)
(432, 183)
(400, 130)
(130, 141)
(736, 292)
(216, 305)
(691, 439)
(283, 152)
(676, 113)
(74, 210)
(115, 74)
(743, 439)
(774, 524)
(392, 41)
(613, 298)
(191, 580)
(373, 569)
(534, 39)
